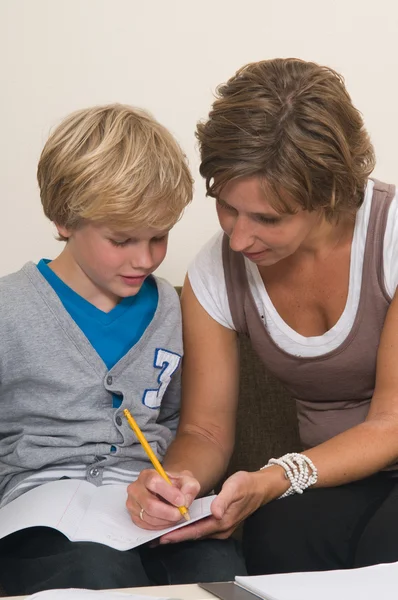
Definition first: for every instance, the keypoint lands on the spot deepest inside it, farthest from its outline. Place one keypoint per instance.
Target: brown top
(332, 391)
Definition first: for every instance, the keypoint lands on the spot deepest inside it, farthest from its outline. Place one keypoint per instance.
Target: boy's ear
(63, 231)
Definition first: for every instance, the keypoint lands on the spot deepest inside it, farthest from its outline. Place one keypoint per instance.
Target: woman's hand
(241, 495)
(152, 502)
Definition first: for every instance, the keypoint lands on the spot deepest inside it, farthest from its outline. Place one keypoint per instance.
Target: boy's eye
(160, 238)
(120, 243)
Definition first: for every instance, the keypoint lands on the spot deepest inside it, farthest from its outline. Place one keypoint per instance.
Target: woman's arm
(210, 376)
(354, 454)
(201, 451)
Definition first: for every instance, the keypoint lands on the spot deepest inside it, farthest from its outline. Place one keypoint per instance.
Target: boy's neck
(66, 268)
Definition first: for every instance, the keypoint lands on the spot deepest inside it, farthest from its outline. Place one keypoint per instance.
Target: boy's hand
(152, 502)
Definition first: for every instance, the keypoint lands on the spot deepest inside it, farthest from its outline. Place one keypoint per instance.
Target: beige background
(168, 56)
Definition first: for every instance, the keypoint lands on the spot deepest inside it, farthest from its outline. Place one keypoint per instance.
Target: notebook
(367, 583)
(86, 513)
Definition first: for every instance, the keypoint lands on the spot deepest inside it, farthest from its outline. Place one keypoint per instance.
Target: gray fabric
(56, 392)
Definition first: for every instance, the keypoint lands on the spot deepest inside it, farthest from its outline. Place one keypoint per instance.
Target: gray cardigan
(56, 392)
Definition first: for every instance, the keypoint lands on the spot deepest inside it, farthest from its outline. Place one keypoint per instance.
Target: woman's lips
(256, 255)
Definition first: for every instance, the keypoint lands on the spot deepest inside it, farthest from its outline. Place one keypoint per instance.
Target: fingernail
(163, 542)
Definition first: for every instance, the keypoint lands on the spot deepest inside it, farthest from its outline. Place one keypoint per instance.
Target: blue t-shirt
(112, 333)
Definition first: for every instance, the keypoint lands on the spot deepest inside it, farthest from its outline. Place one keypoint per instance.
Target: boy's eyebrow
(135, 235)
(119, 235)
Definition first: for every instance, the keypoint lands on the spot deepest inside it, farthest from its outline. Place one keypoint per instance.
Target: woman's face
(257, 230)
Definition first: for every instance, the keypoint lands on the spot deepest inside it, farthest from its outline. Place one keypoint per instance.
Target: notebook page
(84, 512)
(75, 513)
(107, 520)
(44, 506)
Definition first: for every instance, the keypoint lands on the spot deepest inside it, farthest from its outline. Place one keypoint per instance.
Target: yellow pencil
(141, 438)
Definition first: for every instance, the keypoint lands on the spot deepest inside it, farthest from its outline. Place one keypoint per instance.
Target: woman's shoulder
(206, 276)
(390, 248)
(210, 253)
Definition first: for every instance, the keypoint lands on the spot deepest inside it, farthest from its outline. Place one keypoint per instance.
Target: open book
(367, 583)
(86, 513)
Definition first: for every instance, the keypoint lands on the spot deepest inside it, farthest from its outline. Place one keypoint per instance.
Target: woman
(306, 267)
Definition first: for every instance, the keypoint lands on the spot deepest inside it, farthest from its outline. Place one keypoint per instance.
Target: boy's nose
(142, 259)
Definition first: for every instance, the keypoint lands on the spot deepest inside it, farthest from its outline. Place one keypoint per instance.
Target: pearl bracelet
(299, 470)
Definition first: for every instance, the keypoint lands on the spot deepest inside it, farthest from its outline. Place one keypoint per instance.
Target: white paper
(81, 594)
(367, 583)
(84, 512)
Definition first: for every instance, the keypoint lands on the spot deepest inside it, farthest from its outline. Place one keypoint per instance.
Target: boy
(89, 334)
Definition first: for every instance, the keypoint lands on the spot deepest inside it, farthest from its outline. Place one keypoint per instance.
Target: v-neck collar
(76, 335)
(64, 290)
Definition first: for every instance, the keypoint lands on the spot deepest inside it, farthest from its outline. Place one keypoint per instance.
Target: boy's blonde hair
(293, 124)
(113, 165)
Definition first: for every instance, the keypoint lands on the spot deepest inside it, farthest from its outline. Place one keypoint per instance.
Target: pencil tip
(187, 516)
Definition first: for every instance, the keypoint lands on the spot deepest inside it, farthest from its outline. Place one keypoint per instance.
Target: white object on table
(366, 583)
(185, 592)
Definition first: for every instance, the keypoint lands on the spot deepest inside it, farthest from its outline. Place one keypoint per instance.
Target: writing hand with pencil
(158, 499)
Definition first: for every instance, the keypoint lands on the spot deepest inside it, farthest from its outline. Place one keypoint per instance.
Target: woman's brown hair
(293, 124)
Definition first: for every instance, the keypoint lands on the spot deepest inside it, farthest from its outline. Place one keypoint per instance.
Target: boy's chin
(129, 292)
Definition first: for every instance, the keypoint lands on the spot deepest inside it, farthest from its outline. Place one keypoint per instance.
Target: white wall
(168, 56)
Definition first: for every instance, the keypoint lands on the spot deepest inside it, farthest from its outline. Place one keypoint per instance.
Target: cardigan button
(109, 380)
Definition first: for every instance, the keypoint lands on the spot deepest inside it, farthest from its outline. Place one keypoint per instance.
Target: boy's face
(104, 266)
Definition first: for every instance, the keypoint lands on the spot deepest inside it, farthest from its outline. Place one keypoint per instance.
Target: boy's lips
(133, 279)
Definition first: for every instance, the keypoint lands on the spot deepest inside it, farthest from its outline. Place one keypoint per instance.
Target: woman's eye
(269, 220)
